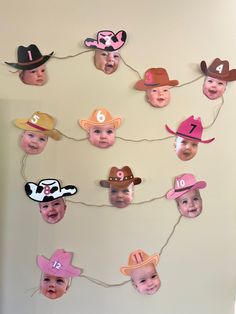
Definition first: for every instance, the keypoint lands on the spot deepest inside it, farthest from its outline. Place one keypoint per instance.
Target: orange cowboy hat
(39, 122)
(138, 259)
(155, 77)
(100, 116)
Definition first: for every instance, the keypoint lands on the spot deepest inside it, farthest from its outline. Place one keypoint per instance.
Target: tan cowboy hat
(100, 116)
(138, 259)
(155, 77)
(39, 122)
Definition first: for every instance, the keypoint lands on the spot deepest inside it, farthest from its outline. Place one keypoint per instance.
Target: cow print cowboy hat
(48, 190)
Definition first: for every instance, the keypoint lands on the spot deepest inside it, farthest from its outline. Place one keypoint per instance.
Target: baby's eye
(60, 281)
(220, 83)
(46, 279)
(126, 191)
(57, 203)
(184, 142)
(184, 202)
(104, 54)
(113, 191)
(194, 144)
(165, 90)
(143, 281)
(116, 56)
(33, 71)
(154, 275)
(209, 81)
(154, 90)
(109, 131)
(42, 139)
(97, 131)
(196, 199)
(45, 206)
(43, 70)
(31, 135)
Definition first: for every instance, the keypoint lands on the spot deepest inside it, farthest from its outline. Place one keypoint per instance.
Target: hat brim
(120, 184)
(93, 43)
(140, 85)
(45, 266)
(189, 137)
(30, 65)
(154, 259)
(230, 76)
(31, 192)
(22, 124)
(172, 194)
(86, 124)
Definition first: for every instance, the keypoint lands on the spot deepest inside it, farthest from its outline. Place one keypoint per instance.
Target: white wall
(197, 268)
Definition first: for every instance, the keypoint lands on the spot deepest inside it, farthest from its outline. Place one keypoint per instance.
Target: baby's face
(106, 61)
(53, 287)
(159, 96)
(37, 76)
(121, 197)
(102, 136)
(213, 88)
(33, 143)
(145, 279)
(185, 149)
(53, 211)
(190, 204)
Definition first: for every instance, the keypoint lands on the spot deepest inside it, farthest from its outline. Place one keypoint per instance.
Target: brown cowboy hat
(219, 69)
(120, 178)
(155, 77)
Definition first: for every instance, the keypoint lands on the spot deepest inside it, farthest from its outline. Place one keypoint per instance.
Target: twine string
(72, 138)
(171, 234)
(190, 82)
(131, 68)
(23, 166)
(104, 284)
(217, 114)
(70, 56)
(144, 139)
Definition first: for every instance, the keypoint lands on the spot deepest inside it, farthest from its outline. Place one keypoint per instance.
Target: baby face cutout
(102, 136)
(106, 61)
(36, 76)
(190, 204)
(185, 149)
(159, 96)
(53, 287)
(121, 197)
(145, 279)
(33, 143)
(53, 211)
(213, 88)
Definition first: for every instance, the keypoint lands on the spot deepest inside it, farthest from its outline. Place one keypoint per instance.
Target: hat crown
(119, 175)
(28, 54)
(101, 115)
(42, 120)
(220, 67)
(191, 128)
(156, 76)
(184, 181)
(137, 257)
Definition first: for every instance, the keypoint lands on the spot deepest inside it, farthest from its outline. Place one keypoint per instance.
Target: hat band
(151, 84)
(31, 62)
(36, 126)
(126, 178)
(184, 135)
(183, 189)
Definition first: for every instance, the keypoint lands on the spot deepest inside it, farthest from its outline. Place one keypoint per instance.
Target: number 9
(120, 175)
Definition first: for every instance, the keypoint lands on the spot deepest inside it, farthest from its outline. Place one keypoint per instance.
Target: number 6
(100, 116)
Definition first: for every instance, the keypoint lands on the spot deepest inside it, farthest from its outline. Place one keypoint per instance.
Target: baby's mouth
(212, 91)
(33, 147)
(160, 99)
(52, 215)
(192, 210)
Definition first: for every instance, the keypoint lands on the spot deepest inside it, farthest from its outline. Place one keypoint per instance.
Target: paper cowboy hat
(39, 122)
(138, 259)
(29, 58)
(191, 129)
(100, 116)
(219, 69)
(184, 183)
(120, 178)
(155, 77)
(58, 265)
(107, 40)
(48, 190)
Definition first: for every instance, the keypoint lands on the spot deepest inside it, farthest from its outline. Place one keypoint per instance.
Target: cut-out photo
(106, 46)
(187, 195)
(37, 129)
(142, 270)
(188, 136)
(31, 65)
(121, 186)
(217, 75)
(101, 128)
(156, 84)
(50, 197)
(57, 273)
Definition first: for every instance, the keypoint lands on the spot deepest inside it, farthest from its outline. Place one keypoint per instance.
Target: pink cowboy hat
(191, 129)
(107, 40)
(138, 259)
(58, 265)
(184, 183)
